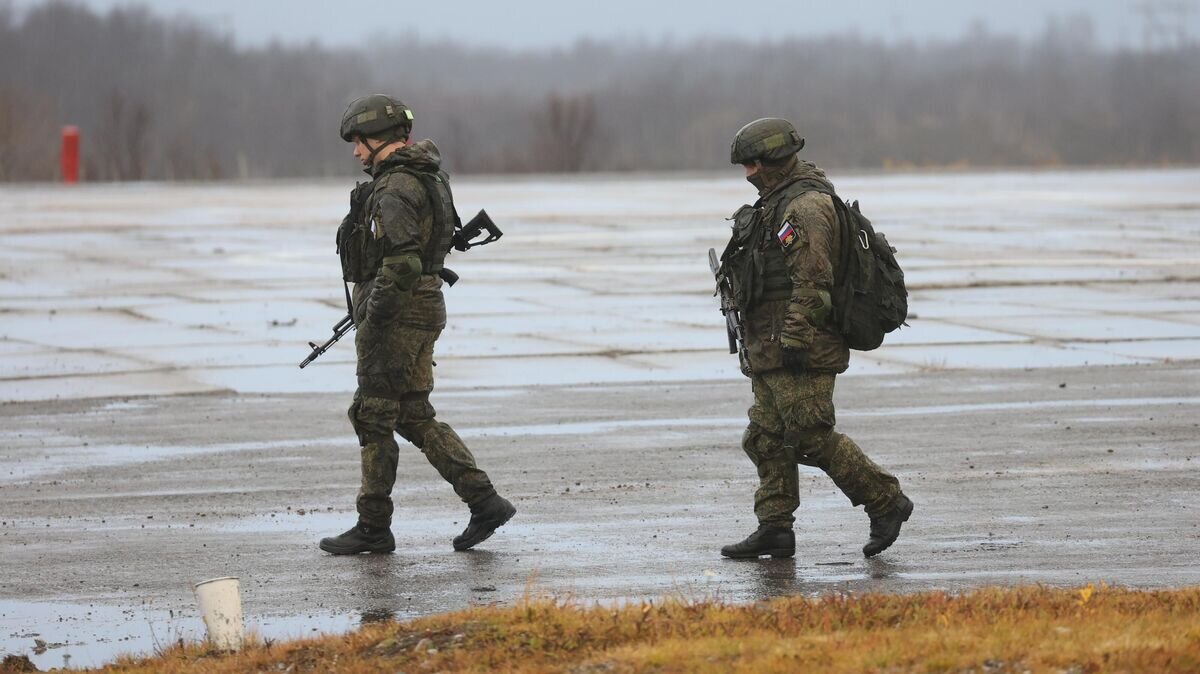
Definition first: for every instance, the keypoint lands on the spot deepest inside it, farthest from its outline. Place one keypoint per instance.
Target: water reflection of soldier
(780, 259)
(392, 245)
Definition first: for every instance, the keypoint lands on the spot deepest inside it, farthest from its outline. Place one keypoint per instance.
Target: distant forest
(178, 100)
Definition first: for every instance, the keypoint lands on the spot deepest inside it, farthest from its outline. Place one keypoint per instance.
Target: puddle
(89, 635)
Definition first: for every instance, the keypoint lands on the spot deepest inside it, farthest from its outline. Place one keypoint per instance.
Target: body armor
(361, 256)
(754, 257)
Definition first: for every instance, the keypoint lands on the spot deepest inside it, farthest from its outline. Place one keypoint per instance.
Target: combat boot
(486, 516)
(766, 540)
(886, 528)
(360, 538)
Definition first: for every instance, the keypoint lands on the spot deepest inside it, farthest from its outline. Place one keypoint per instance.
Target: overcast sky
(536, 24)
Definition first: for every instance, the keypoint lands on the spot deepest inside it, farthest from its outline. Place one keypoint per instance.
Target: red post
(69, 159)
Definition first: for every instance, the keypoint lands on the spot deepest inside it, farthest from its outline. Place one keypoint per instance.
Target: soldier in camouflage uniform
(392, 245)
(780, 260)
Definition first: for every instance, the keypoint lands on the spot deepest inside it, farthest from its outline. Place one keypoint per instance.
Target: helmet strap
(374, 150)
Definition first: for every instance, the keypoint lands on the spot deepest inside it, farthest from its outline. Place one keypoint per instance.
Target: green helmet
(370, 116)
(769, 139)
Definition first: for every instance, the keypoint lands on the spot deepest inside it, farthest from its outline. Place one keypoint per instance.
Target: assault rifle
(462, 240)
(733, 317)
(339, 330)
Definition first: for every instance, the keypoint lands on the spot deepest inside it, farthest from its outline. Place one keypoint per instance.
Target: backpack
(869, 297)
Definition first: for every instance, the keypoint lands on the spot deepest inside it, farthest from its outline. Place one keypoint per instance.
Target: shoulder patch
(786, 235)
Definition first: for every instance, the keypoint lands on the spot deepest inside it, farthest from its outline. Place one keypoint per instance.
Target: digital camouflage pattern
(791, 422)
(400, 312)
(781, 257)
(796, 278)
(376, 419)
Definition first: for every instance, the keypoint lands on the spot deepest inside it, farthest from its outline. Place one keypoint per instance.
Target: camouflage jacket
(796, 231)
(398, 219)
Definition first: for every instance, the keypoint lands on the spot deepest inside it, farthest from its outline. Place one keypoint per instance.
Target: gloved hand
(795, 359)
(795, 353)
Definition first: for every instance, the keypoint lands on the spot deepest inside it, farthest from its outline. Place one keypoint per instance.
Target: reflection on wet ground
(995, 281)
(101, 632)
(612, 415)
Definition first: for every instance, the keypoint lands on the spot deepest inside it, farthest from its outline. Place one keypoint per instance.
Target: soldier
(781, 262)
(392, 245)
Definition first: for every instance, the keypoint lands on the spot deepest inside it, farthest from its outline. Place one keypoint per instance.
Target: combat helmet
(373, 116)
(769, 139)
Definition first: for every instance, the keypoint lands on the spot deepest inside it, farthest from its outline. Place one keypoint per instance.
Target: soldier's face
(362, 151)
(751, 169)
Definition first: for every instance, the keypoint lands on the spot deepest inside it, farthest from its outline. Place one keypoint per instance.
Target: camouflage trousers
(791, 422)
(397, 401)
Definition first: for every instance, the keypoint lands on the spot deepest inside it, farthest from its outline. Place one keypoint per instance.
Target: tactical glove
(795, 354)
(397, 277)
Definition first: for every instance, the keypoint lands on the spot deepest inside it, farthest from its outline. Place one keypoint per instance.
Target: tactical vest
(355, 242)
(354, 237)
(445, 218)
(754, 258)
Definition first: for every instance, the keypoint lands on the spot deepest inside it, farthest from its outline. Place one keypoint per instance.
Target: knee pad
(761, 445)
(813, 446)
(373, 416)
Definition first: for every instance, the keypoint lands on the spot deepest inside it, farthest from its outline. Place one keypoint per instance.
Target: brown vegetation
(1034, 629)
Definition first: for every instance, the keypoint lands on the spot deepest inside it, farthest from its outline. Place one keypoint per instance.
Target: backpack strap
(842, 290)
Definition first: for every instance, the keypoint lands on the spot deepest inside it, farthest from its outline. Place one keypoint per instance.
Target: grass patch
(1034, 629)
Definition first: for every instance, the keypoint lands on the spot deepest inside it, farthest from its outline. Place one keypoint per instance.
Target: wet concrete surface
(112, 508)
(1041, 407)
(111, 290)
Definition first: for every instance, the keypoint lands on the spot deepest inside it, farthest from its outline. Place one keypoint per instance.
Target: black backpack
(869, 297)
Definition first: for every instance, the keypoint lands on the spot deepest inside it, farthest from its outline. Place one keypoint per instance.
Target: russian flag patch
(786, 235)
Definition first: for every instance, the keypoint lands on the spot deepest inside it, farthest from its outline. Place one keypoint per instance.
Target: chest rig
(362, 253)
(754, 259)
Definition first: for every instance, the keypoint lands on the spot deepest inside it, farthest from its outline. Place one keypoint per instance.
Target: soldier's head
(767, 149)
(377, 125)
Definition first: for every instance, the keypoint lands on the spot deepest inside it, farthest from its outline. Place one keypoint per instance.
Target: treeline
(178, 100)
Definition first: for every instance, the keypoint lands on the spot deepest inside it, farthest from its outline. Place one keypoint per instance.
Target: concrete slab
(585, 365)
(983, 356)
(1096, 328)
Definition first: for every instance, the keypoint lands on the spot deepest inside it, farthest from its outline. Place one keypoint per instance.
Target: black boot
(486, 516)
(360, 538)
(766, 540)
(886, 528)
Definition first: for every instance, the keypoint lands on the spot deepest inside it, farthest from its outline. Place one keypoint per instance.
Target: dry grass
(1091, 629)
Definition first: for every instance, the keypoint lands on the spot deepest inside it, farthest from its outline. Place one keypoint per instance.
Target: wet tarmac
(624, 492)
(1042, 409)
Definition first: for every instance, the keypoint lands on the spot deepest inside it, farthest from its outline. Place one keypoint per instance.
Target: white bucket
(221, 607)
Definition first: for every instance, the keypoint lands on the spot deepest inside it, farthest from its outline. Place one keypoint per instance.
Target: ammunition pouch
(758, 270)
(353, 235)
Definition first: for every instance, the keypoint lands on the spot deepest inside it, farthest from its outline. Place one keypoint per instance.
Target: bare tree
(173, 99)
(28, 143)
(565, 131)
(124, 138)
